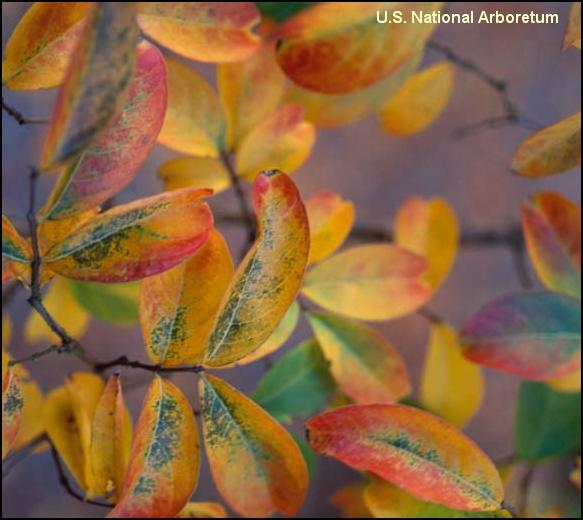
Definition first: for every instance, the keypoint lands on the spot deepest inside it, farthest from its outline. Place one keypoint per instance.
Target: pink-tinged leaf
(340, 47)
(203, 31)
(39, 49)
(534, 335)
(572, 36)
(111, 163)
(367, 368)
(97, 82)
(552, 229)
(135, 240)
(372, 282)
(164, 461)
(12, 405)
(414, 450)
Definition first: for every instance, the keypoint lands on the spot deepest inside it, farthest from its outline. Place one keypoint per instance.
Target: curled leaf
(12, 405)
(255, 463)
(414, 450)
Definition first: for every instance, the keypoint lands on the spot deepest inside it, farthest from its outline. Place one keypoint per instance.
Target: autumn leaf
(164, 460)
(195, 122)
(41, 45)
(570, 383)
(451, 386)
(336, 48)
(572, 36)
(112, 161)
(534, 335)
(12, 405)
(414, 450)
(267, 281)
(203, 31)
(553, 150)
(255, 463)
(331, 219)
(178, 307)
(202, 510)
(350, 501)
(552, 230)
(370, 282)
(430, 229)
(111, 439)
(366, 367)
(135, 240)
(195, 172)
(419, 102)
(14, 247)
(96, 84)
(282, 141)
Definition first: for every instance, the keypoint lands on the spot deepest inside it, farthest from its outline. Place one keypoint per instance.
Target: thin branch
(19, 118)
(431, 316)
(123, 361)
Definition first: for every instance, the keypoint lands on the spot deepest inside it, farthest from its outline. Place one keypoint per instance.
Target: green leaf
(281, 11)
(115, 303)
(548, 423)
(298, 384)
(308, 454)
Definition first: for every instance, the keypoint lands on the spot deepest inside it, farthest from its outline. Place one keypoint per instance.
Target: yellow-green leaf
(195, 172)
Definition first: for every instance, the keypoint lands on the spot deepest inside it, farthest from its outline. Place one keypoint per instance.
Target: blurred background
(377, 172)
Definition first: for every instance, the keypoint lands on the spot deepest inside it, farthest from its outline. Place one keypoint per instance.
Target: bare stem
(19, 118)
(123, 361)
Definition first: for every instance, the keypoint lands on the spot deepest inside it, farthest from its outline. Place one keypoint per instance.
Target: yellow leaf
(12, 404)
(194, 123)
(430, 229)
(569, 384)
(283, 141)
(451, 386)
(6, 333)
(419, 102)
(202, 510)
(195, 172)
(64, 308)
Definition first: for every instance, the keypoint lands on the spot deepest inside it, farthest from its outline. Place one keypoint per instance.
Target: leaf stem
(19, 117)
(123, 361)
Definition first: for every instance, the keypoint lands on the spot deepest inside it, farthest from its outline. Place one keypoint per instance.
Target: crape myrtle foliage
(283, 70)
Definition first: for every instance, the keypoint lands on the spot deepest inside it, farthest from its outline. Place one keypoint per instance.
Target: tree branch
(123, 361)
(19, 118)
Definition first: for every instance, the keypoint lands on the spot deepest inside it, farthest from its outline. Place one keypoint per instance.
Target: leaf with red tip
(12, 405)
(97, 82)
(135, 240)
(552, 229)
(164, 461)
(112, 161)
(203, 31)
(255, 463)
(414, 450)
(535, 335)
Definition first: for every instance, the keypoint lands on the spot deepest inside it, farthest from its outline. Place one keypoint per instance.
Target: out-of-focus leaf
(202, 510)
(572, 36)
(308, 454)
(194, 122)
(111, 439)
(250, 90)
(553, 150)
(385, 500)
(414, 450)
(164, 460)
(298, 384)
(350, 501)
(39, 50)
(64, 308)
(96, 83)
(12, 405)
(367, 368)
(336, 47)
(430, 229)
(178, 307)
(195, 172)
(419, 102)
(6, 336)
(575, 474)
(534, 335)
(371, 282)
(451, 386)
(112, 161)
(281, 11)
(332, 110)
(14, 247)
(277, 338)
(552, 230)
(135, 240)
(267, 281)
(570, 383)
(256, 465)
(203, 31)
(283, 141)
(115, 303)
(548, 423)
(331, 220)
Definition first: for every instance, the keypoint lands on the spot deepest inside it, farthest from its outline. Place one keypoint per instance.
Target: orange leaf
(255, 463)
(350, 501)
(572, 36)
(12, 404)
(96, 84)
(203, 31)
(164, 461)
(414, 450)
(202, 510)
(14, 247)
